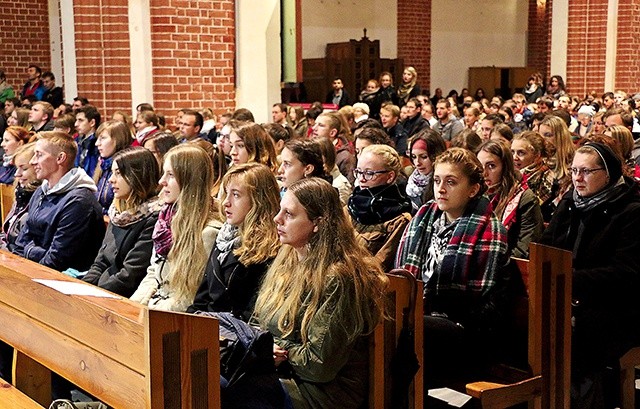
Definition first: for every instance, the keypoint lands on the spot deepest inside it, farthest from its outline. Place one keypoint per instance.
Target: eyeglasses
(584, 172)
(367, 174)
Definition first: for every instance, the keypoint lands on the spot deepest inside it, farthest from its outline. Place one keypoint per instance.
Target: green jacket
(329, 370)
(6, 92)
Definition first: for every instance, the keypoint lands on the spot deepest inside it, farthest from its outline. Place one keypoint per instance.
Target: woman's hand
(279, 354)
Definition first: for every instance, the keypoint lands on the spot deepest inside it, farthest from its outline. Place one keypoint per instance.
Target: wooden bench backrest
(402, 288)
(549, 352)
(123, 353)
(7, 197)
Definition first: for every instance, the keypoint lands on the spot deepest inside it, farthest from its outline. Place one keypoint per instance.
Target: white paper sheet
(453, 398)
(75, 288)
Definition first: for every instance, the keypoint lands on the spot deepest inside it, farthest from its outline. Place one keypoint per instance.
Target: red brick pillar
(586, 46)
(628, 49)
(193, 46)
(414, 38)
(539, 38)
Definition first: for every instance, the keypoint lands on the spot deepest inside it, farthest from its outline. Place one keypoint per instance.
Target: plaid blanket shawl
(478, 246)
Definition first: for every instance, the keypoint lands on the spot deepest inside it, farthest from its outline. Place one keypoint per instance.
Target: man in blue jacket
(65, 227)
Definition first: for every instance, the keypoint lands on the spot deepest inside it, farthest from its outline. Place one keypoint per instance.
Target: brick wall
(586, 46)
(414, 38)
(193, 44)
(539, 37)
(628, 47)
(102, 54)
(24, 39)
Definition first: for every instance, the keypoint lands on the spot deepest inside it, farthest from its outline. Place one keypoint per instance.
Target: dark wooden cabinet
(355, 61)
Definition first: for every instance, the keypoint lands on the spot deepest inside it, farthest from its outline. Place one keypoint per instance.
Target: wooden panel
(81, 317)
(313, 71)
(7, 197)
(11, 397)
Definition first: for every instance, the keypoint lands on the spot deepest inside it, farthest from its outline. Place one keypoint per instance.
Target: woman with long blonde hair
(322, 294)
(246, 244)
(184, 233)
(556, 133)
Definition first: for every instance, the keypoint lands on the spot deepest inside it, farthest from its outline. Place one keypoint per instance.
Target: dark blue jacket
(65, 225)
(88, 154)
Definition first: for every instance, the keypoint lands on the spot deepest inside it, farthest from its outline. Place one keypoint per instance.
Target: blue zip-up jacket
(65, 227)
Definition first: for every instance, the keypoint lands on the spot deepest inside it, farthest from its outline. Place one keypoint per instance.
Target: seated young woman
(125, 254)
(251, 143)
(246, 244)
(320, 297)
(184, 233)
(598, 220)
(529, 152)
(457, 246)
(12, 139)
(378, 208)
(113, 136)
(25, 184)
(513, 202)
(301, 158)
(424, 147)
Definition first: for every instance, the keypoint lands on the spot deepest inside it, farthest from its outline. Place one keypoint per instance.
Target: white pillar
(70, 80)
(559, 37)
(55, 40)
(612, 46)
(258, 61)
(140, 53)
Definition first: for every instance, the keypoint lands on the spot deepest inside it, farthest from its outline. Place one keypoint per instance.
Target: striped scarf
(474, 253)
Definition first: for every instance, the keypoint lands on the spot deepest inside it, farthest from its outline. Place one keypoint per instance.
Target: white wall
(475, 34)
(258, 65)
(336, 21)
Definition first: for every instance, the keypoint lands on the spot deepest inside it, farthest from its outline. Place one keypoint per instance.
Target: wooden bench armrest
(496, 395)
(13, 398)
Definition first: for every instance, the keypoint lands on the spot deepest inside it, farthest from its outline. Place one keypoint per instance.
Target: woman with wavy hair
(529, 151)
(513, 202)
(184, 233)
(251, 143)
(246, 244)
(320, 297)
(122, 261)
(557, 135)
(409, 87)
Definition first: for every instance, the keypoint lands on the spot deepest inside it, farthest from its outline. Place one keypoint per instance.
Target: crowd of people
(291, 225)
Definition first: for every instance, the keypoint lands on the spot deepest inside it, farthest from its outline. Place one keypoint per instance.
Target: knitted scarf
(162, 238)
(129, 217)
(377, 204)
(539, 178)
(472, 256)
(417, 183)
(228, 238)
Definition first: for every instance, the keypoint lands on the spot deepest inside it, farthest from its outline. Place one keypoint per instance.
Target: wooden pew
(628, 364)
(118, 351)
(549, 345)
(404, 290)
(7, 197)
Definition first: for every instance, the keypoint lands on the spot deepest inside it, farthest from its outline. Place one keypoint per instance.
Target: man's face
(564, 103)
(48, 83)
(322, 128)
(442, 111)
(188, 128)
(412, 109)
(613, 120)
(337, 85)
(32, 73)
(277, 114)
(387, 119)
(542, 107)
(44, 160)
(76, 105)
(37, 115)
(83, 125)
